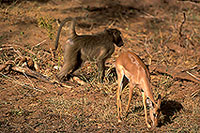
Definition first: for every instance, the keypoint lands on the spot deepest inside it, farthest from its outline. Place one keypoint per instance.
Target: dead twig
(195, 93)
(193, 75)
(25, 71)
(7, 48)
(31, 73)
(192, 68)
(18, 46)
(38, 44)
(3, 66)
(147, 15)
(22, 84)
(29, 80)
(28, 72)
(181, 27)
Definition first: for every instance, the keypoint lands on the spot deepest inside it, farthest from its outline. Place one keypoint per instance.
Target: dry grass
(152, 33)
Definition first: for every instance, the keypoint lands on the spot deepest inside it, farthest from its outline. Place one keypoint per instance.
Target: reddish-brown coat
(130, 65)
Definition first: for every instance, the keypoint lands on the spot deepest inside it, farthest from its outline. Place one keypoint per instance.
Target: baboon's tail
(72, 29)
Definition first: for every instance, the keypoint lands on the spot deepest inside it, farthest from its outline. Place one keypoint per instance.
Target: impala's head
(155, 112)
(116, 37)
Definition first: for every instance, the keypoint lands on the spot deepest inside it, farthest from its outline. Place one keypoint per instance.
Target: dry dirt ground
(155, 30)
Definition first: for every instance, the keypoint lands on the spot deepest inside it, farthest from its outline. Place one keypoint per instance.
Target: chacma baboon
(80, 48)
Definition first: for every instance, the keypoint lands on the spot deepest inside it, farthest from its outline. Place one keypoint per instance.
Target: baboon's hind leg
(75, 70)
(63, 73)
(67, 70)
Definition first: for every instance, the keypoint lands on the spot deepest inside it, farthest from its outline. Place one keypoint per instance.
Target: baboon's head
(116, 37)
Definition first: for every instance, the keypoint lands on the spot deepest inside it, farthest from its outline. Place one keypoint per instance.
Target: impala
(130, 65)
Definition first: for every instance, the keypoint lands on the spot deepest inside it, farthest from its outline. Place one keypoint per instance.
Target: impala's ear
(159, 101)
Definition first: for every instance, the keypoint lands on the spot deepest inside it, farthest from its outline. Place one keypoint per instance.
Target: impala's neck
(147, 90)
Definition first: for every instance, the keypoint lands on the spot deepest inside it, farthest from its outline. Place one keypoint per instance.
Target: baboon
(80, 48)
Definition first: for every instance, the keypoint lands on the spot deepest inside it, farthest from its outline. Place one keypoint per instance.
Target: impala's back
(132, 65)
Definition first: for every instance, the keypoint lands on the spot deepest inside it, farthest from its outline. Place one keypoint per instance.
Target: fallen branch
(28, 72)
(31, 73)
(18, 46)
(176, 74)
(24, 70)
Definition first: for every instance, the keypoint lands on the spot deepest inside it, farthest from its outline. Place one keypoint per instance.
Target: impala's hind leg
(120, 75)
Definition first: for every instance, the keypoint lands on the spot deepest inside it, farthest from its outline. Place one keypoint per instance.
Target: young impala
(130, 65)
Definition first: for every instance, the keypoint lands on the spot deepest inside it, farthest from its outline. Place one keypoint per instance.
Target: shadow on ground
(168, 109)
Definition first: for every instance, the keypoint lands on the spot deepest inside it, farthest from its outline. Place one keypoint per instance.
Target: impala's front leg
(145, 109)
(119, 108)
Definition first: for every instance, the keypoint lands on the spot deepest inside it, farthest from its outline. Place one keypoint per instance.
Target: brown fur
(130, 65)
(79, 48)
